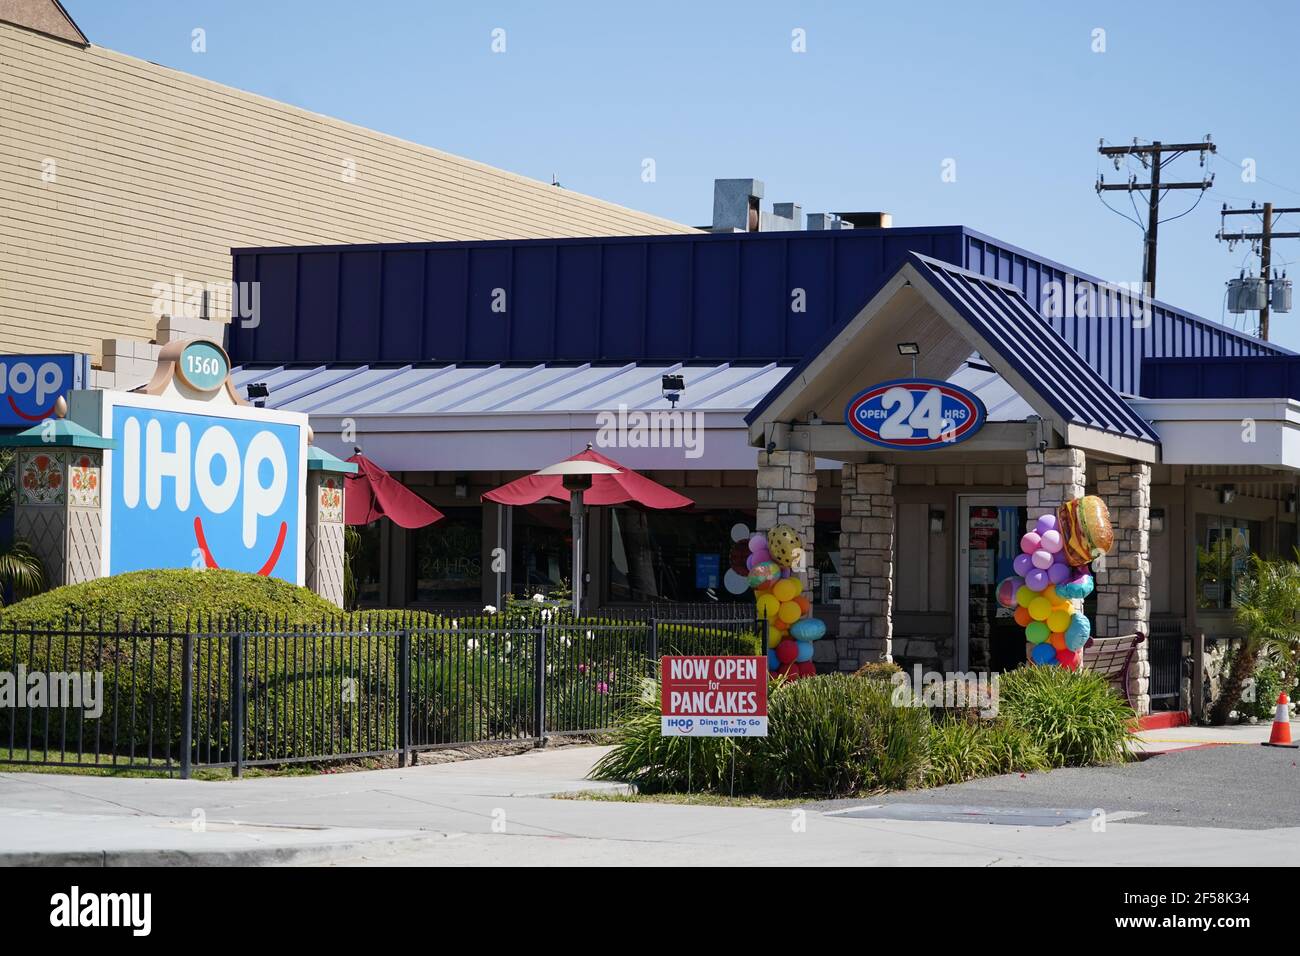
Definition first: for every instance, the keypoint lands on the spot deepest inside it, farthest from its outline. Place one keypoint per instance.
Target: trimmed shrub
(1074, 716)
(878, 670)
(962, 749)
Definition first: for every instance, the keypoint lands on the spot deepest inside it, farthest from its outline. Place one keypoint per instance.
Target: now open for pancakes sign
(713, 696)
(203, 485)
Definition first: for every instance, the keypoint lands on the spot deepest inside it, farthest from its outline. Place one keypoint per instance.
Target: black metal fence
(237, 693)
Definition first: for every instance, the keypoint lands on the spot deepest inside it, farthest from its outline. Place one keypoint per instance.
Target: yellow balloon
(774, 634)
(768, 605)
(1039, 608)
(1024, 595)
(1049, 592)
(787, 589)
(790, 612)
(1058, 621)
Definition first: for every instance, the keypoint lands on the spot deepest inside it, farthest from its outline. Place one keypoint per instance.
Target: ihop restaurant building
(906, 398)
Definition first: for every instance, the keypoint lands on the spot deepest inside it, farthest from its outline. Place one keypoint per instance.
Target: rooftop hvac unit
(1247, 294)
(1280, 301)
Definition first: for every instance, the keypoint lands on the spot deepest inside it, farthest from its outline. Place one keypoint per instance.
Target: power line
(1265, 238)
(1155, 157)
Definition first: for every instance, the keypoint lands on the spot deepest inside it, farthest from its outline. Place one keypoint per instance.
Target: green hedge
(1073, 716)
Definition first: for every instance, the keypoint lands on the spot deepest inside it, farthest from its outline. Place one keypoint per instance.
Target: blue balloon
(803, 651)
(773, 662)
(808, 629)
(1077, 634)
(1075, 590)
(1044, 654)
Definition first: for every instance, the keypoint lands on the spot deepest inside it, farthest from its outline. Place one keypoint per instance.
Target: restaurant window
(542, 558)
(447, 559)
(672, 555)
(826, 557)
(363, 546)
(1223, 547)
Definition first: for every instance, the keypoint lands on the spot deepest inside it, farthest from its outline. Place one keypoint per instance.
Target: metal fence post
(654, 646)
(539, 687)
(237, 703)
(761, 623)
(187, 704)
(404, 696)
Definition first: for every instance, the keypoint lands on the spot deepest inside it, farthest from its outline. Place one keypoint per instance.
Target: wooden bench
(1111, 657)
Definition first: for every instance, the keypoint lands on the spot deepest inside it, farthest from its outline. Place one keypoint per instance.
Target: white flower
(546, 614)
(489, 609)
(471, 644)
(507, 647)
(590, 636)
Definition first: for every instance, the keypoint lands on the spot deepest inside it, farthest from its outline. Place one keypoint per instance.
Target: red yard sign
(714, 696)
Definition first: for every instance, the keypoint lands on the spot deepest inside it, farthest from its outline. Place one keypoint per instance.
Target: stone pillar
(787, 490)
(325, 557)
(1055, 476)
(1123, 586)
(866, 565)
(58, 510)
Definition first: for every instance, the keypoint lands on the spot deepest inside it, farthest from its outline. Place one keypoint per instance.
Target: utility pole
(1265, 238)
(1155, 157)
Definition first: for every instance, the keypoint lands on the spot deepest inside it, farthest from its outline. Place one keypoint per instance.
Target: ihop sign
(31, 384)
(915, 414)
(203, 485)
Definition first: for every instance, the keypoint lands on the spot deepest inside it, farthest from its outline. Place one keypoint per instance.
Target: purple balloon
(1046, 523)
(1023, 564)
(1058, 573)
(1036, 580)
(1030, 542)
(752, 560)
(1042, 559)
(1059, 557)
(757, 542)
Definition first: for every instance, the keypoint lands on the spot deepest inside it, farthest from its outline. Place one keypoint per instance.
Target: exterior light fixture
(258, 392)
(1290, 504)
(1157, 521)
(936, 520)
(462, 486)
(673, 386)
(910, 349)
(1227, 494)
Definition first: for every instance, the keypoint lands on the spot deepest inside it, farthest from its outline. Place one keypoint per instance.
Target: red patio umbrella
(587, 478)
(617, 489)
(373, 493)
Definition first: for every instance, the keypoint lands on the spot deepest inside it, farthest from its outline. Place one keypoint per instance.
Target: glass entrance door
(988, 638)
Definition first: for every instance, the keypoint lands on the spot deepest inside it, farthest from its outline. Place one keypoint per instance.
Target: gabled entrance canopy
(951, 313)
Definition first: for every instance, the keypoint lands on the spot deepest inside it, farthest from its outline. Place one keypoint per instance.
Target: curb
(243, 856)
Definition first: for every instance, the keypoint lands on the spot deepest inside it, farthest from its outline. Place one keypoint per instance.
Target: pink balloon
(1030, 542)
(1042, 559)
(1058, 573)
(1036, 579)
(1052, 541)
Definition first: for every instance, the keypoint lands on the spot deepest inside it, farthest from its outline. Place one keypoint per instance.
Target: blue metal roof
(1264, 376)
(1002, 316)
(999, 313)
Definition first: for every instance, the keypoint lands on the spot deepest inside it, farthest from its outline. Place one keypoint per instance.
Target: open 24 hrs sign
(914, 414)
(714, 697)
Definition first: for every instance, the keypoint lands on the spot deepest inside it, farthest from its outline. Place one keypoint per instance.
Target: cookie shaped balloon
(783, 543)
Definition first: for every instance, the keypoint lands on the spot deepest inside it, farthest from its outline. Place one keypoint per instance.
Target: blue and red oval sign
(914, 414)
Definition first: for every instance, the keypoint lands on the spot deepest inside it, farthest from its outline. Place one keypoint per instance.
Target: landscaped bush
(1074, 716)
(878, 670)
(828, 736)
(964, 749)
(834, 735)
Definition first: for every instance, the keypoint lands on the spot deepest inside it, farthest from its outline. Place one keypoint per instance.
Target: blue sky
(864, 119)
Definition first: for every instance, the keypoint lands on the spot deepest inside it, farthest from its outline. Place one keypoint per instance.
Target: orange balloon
(1022, 616)
(1057, 641)
(804, 604)
(780, 625)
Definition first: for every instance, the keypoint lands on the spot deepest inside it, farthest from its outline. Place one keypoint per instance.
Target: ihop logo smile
(31, 384)
(192, 490)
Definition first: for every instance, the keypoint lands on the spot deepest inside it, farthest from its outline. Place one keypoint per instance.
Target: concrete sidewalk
(1169, 739)
(494, 812)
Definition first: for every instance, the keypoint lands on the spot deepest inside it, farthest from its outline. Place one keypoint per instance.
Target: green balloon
(1037, 632)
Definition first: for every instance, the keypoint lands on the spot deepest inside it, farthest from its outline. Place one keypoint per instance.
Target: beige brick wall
(156, 172)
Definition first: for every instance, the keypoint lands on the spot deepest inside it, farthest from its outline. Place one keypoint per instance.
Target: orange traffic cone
(1281, 736)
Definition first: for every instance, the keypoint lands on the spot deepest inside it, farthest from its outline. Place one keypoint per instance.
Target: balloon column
(791, 630)
(1053, 576)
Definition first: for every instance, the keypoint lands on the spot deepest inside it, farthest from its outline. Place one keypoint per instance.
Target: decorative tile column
(58, 477)
(1123, 587)
(866, 565)
(326, 559)
(787, 490)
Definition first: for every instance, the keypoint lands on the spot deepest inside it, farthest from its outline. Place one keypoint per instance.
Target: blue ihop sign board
(194, 484)
(914, 414)
(31, 384)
